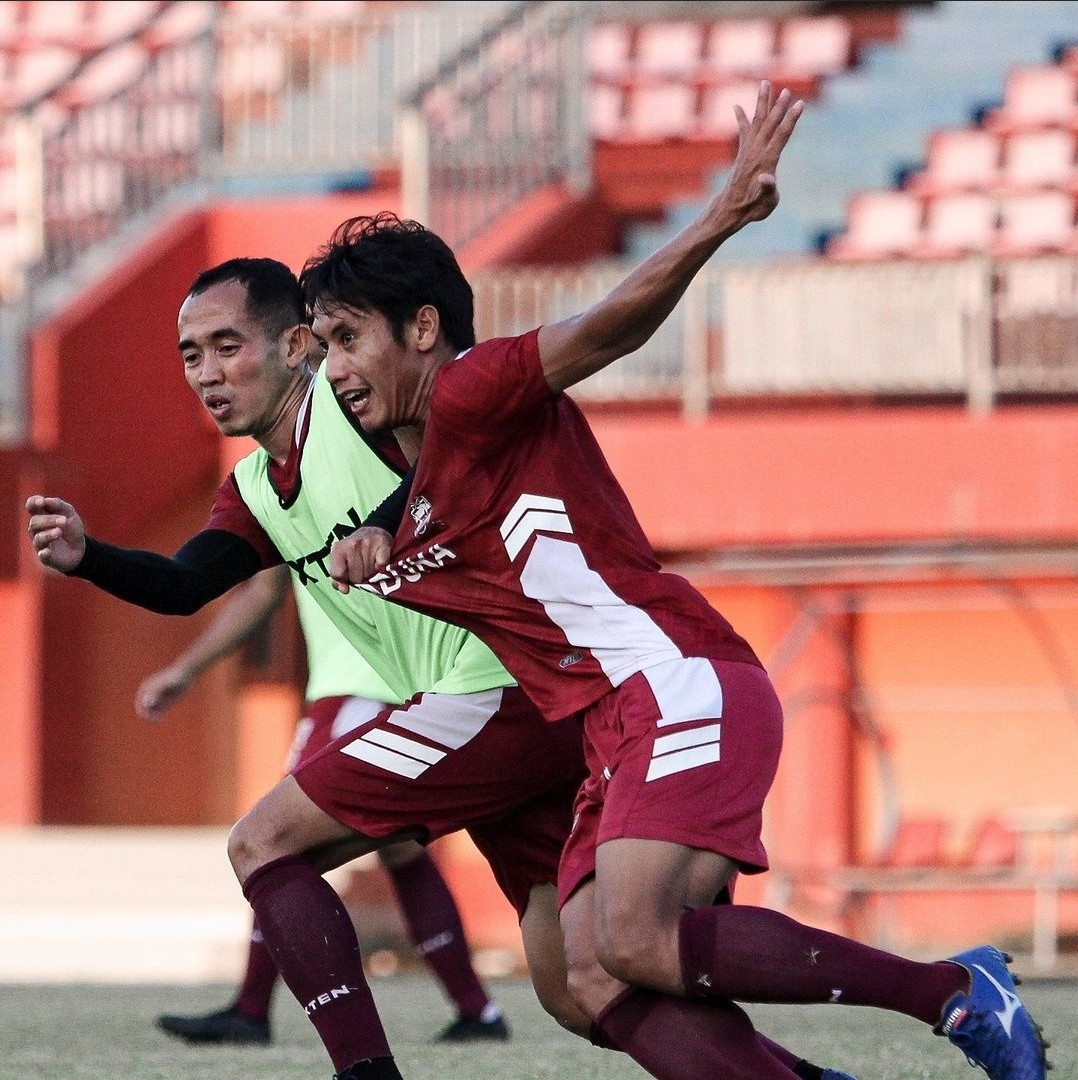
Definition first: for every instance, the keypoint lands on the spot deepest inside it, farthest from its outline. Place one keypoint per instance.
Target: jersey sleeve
(485, 394)
(231, 514)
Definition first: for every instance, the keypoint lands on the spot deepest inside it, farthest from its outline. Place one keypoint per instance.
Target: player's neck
(283, 431)
(409, 439)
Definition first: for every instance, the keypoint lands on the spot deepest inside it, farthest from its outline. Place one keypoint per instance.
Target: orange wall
(821, 476)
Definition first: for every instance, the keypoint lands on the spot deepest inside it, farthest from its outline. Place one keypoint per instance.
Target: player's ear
(425, 327)
(298, 341)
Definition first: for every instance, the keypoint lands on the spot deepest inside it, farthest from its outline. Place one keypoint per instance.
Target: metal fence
(973, 329)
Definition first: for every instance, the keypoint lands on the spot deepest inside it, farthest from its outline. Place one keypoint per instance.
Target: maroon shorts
(326, 719)
(486, 763)
(684, 752)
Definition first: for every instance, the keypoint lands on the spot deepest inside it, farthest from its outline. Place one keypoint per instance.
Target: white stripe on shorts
(448, 720)
(685, 691)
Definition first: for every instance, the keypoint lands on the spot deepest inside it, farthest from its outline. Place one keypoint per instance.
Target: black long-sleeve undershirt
(389, 513)
(208, 565)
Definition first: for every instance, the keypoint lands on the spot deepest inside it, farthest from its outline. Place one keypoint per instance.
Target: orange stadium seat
(1039, 95)
(741, 47)
(959, 223)
(959, 159)
(879, 224)
(1040, 158)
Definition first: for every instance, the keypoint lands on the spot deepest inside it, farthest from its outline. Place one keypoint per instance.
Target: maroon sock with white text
(310, 936)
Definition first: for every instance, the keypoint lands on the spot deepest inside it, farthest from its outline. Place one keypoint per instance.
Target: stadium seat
(814, 45)
(959, 159)
(1040, 158)
(717, 117)
(662, 111)
(605, 104)
(1038, 95)
(918, 842)
(1035, 222)
(992, 845)
(959, 224)
(740, 47)
(668, 49)
(879, 224)
(608, 50)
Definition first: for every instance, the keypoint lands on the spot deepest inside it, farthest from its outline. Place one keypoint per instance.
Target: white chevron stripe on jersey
(532, 514)
(352, 713)
(621, 637)
(685, 690)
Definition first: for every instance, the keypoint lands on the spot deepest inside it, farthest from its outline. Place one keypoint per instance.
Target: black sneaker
(226, 1026)
(474, 1029)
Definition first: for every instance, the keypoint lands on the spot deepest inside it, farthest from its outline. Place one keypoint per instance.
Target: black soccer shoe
(226, 1026)
(472, 1029)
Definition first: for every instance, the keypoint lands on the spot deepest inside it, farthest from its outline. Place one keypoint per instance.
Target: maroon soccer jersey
(518, 531)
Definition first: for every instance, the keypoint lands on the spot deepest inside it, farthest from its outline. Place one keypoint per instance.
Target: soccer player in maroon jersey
(516, 530)
(485, 760)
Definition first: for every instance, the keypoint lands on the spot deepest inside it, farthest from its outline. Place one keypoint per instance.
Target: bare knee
(592, 987)
(638, 951)
(249, 846)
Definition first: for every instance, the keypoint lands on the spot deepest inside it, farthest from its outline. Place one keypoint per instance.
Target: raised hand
(751, 189)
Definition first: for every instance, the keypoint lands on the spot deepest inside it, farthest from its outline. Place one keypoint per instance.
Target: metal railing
(968, 329)
(506, 118)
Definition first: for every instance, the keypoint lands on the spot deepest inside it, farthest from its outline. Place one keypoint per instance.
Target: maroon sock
(434, 926)
(683, 1039)
(755, 954)
(255, 994)
(310, 936)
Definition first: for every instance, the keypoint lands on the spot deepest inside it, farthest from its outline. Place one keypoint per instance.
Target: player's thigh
(286, 822)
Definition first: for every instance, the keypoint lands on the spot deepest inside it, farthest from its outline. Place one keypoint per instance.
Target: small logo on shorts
(570, 659)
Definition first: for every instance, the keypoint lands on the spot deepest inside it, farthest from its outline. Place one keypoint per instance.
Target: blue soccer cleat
(990, 1025)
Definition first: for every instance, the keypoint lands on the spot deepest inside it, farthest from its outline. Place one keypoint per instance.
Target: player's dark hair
(393, 267)
(274, 296)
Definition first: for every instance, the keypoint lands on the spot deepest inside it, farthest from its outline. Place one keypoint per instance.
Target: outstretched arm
(626, 318)
(207, 566)
(247, 610)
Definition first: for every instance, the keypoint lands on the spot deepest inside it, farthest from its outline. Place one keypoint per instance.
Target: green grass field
(91, 1032)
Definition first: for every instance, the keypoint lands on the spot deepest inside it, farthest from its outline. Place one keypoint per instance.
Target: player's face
(238, 373)
(373, 375)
